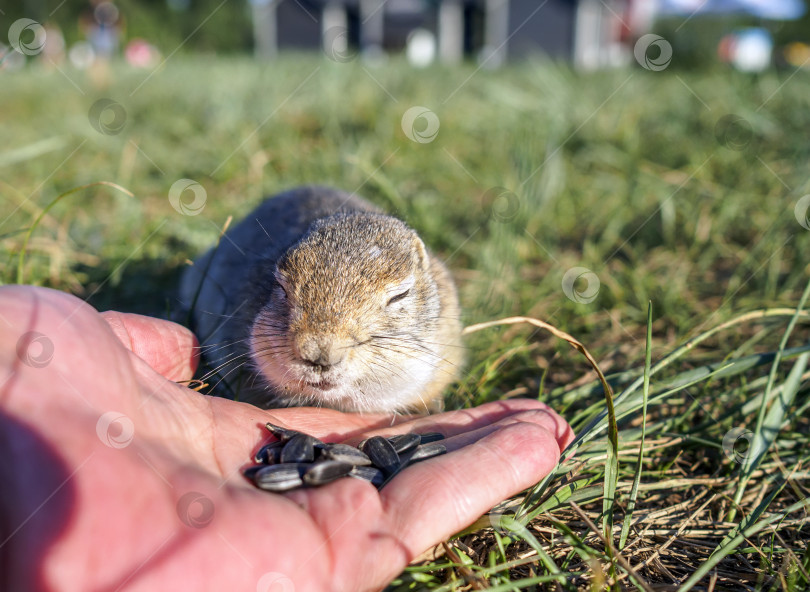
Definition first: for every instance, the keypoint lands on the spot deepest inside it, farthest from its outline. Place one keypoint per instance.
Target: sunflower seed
(429, 437)
(426, 451)
(326, 471)
(345, 453)
(278, 478)
(269, 453)
(382, 454)
(300, 448)
(405, 442)
(373, 475)
(281, 433)
(250, 472)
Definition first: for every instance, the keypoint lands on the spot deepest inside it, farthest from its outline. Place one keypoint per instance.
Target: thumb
(170, 349)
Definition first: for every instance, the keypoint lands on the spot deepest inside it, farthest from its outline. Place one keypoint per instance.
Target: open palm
(115, 477)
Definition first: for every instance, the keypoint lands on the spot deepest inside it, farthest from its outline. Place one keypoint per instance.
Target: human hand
(115, 477)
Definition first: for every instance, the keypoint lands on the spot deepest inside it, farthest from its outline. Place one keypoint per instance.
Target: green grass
(619, 172)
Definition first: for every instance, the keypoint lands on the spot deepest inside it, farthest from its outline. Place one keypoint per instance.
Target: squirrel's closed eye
(398, 297)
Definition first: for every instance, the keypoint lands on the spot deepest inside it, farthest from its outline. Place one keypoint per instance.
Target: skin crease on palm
(77, 513)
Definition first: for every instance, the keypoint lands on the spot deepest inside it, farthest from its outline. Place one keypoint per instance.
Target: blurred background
(568, 160)
(749, 34)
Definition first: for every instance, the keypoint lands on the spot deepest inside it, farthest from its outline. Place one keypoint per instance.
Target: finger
(433, 499)
(453, 423)
(57, 341)
(426, 503)
(334, 426)
(169, 348)
(544, 417)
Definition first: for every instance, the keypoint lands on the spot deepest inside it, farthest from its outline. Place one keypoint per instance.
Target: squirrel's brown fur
(317, 298)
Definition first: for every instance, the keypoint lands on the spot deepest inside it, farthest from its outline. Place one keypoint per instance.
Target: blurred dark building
(587, 32)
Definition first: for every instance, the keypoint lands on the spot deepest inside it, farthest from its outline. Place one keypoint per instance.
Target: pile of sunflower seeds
(299, 460)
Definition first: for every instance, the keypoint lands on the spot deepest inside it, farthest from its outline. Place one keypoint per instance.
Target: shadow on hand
(37, 500)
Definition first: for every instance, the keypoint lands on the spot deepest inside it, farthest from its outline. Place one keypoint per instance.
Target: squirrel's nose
(321, 352)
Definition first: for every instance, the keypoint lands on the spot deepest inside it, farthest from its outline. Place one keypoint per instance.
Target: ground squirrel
(317, 298)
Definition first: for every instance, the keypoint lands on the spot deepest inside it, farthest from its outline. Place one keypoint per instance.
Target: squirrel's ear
(421, 253)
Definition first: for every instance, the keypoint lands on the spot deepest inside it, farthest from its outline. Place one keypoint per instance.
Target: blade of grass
(203, 276)
(586, 433)
(21, 261)
(613, 553)
(744, 533)
(612, 460)
(512, 525)
(724, 369)
(665, 389)
(30, 151)
(762, 442)
(611, 471)
(631, 504)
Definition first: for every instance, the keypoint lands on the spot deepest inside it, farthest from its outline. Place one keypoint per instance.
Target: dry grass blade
(473, 579)
(588, 432)
(611, 462)
(741, 537)
(204, 275)
(57, 199)
(631, 504)
(762, 441)
(551, 329)
(613, 551)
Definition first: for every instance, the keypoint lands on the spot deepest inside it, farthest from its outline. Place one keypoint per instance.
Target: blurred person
(139, 53)
(102, 25)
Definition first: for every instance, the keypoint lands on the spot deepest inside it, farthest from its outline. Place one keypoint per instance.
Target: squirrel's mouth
(322, 385)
